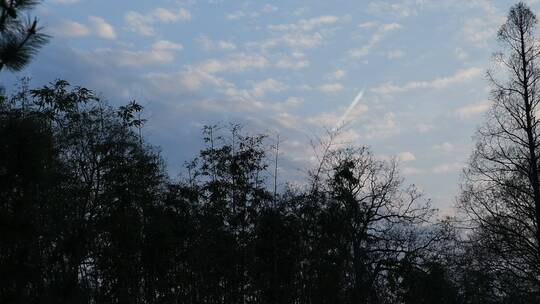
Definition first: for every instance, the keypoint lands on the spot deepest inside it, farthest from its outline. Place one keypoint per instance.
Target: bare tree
(385, 221)
(501, 192)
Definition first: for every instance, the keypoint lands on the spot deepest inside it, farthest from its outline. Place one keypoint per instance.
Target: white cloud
(439, 83)
(330, 87)
(304, 34)
(194, 76)
(289, 103)
(347, 137)
(379, 34)
(139, 23)
(71, 29)
(299, 40)
(257, 91)
(293, 101)
(382, 127)
(101, 28)
(268, 85)
(461, 54)
(161, 52)
(208, 44)
(447, 168)
(472, 109)
(331, 119)
(98, 27)
(235, 63)
(128, 58)
(402, 9)
(268, 8)
(171, 16)
(251, 13)
(305, 24)
(287, 120)
(336, 75)
(144, 23)
(295, 40)
(165, 45)
(411, 171)
(297, 62)
(478, 31)
(367, 24)
(445, 147)
(242, 14)
(424, 127)
(406, 156)
(395, 54)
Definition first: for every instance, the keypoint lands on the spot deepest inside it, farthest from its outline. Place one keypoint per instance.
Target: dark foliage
(20, 35)
(89, 216)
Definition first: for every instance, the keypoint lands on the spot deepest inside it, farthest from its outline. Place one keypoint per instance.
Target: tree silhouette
(20, 36)
(501, 194)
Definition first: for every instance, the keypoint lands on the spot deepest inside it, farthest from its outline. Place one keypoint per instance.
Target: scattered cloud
(367, 24)
(305, 24)
(382, 127)
(251, 13)
(194, 76)
(268, 8)
(102, 28)
(461, 54)
(445, 147)
(396, 54)
(399, 9)
(242, 14)
(406, 157)
(331, 87)
(290, 75)
(438, 83)
(144, 23)
(294, 40)
(70, 28)
(472, 109)
(234, 63)
(336, 75)
(161, 52)
(480, 30)
(303, 34)
(447, 168)
(208, 44)
(409, 171)
(331, 119)
(379, 34)
(424, 127)
(287, 120)
(258, 90)
(96, 26)
(165, 45)
(297, 61)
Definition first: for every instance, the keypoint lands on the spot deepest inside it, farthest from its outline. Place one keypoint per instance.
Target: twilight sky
(289, 67)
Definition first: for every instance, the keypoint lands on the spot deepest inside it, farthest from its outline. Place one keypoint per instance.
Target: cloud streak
(343, 119)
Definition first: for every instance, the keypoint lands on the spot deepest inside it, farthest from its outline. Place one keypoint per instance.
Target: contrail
(349, 109)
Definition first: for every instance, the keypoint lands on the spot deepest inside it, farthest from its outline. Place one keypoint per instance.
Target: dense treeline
(88, 213)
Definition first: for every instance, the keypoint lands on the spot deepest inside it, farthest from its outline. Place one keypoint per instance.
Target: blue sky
(289, 67)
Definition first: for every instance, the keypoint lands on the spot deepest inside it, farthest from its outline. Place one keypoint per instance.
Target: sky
(405, 77)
